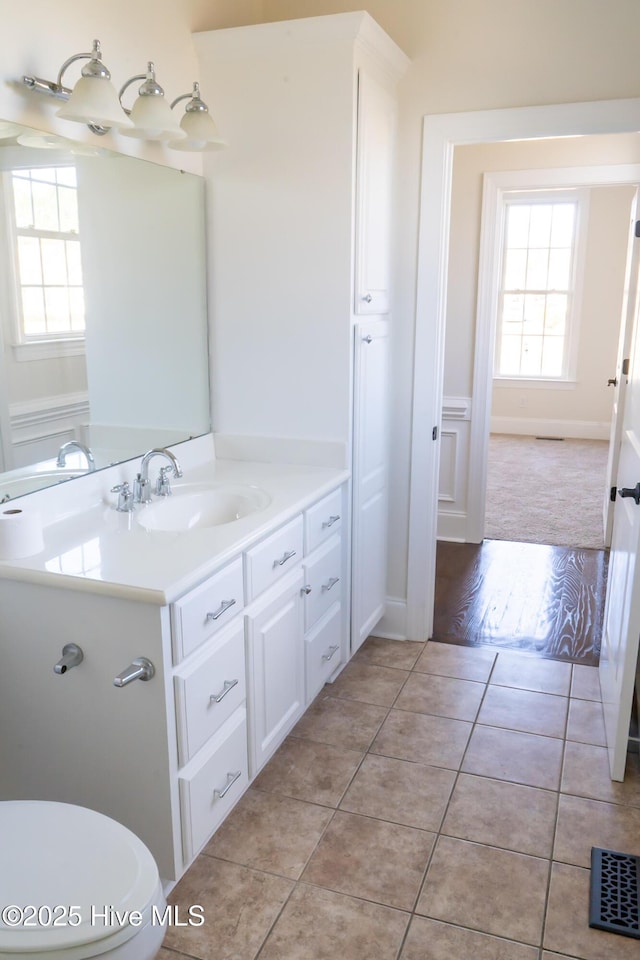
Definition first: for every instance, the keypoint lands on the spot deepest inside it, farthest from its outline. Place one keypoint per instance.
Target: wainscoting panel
(454, 468)
(39, 428)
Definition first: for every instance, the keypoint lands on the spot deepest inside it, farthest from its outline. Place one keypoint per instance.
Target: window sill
(521, 383)
(48, 349)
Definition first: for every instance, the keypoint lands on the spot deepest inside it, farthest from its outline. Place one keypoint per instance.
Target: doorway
(441, 135)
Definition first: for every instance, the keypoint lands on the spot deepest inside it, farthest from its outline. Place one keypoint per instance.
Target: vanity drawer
(272, 558)
(208, 688)
(213, 782)
(323, 579)
(204, 610)
(323, 651)
(322, 520)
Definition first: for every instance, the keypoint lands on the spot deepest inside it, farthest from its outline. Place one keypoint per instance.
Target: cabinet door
(376, 125)
(370, 485)
(275, 653)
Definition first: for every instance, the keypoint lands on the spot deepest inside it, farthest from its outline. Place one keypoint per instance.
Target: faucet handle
(163, 483)
(125, 496)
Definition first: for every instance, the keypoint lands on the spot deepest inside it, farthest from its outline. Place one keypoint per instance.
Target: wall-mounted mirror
(103, 317)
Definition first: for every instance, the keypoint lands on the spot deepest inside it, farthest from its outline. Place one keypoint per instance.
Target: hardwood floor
(538, 599)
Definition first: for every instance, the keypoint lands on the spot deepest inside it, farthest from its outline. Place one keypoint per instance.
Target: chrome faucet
(75, 445)
(142, 484)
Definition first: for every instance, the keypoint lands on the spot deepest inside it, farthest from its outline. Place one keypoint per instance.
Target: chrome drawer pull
(332, 519)
(306, 590)
(227, 688)
(331, 582)
(283, 559)
(231, 779)
(332, 649)
(224, 606)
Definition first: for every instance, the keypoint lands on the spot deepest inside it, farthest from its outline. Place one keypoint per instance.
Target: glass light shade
(94, 100)
(201, 133)
(153, 120)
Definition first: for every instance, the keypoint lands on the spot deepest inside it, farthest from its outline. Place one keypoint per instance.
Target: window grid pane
(535, 297)
(49, 269)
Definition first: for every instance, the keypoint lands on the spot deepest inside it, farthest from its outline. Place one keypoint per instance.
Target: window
(536, 301)
(46, 241)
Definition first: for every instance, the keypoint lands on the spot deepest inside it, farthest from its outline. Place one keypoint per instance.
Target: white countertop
(102, 551)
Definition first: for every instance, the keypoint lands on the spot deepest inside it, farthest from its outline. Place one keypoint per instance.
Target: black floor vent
(615, 892)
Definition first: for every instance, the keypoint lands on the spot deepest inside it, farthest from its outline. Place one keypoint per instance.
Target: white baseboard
(452, 526)
(393, 625)
(571, 429)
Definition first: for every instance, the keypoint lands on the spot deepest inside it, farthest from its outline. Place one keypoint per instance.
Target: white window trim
(544, 192)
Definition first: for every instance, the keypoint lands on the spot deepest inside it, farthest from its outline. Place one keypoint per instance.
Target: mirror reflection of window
(50, 296)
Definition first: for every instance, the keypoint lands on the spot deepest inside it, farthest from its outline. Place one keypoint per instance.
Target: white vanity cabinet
(302, 205)
(233, 657)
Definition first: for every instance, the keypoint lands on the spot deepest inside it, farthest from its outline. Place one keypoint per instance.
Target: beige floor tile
(441, 696)
(583, 824)
(304, 770)
(401, 654)
(367, 682)
(567, 928)
(586, 774)
(586, 722)
(409, 793)
(510, 755)
(271, 833)
(371, 859)
(449, 660)
(502, 814)
(490, 890)
(433, 940)
(524, 710)
(586, 683)
(531, 673)
(423, 739)
(239, 906)
(318, 924)
(342, 723)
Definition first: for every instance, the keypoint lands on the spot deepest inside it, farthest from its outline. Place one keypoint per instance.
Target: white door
(370, 484)
(619, 656)
(620, 380)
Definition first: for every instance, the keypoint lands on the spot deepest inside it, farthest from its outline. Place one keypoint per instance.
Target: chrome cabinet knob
(368, 338)
(367, 298)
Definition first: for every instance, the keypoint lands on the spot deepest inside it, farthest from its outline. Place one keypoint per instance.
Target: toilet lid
(58, 855)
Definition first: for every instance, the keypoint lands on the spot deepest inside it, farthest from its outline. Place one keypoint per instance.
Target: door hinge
(625, 362)
(613, 493)
(434, 433)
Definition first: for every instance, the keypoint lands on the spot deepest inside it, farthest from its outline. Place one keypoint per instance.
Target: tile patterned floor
(434, 803)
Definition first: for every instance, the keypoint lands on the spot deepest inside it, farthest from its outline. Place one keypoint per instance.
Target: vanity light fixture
(197, 124)
(151, 114)
(93, 100)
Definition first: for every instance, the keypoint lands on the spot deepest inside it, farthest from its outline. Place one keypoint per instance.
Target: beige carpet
(546, 491)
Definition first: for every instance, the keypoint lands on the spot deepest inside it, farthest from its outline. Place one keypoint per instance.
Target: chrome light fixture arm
(57, 90)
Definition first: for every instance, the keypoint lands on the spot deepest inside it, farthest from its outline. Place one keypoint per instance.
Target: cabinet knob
(367, 339)
(367, 298)
(306, 590)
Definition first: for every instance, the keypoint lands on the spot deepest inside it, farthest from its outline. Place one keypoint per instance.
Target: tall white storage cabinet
(299, 217)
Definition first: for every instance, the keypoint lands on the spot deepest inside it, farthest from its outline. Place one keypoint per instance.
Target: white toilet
(66, 871)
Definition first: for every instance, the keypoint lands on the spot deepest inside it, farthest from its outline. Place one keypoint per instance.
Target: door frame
(496, 184)
(441, 134)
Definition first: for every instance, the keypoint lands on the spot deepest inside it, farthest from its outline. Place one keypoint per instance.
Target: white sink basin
(192, 506)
